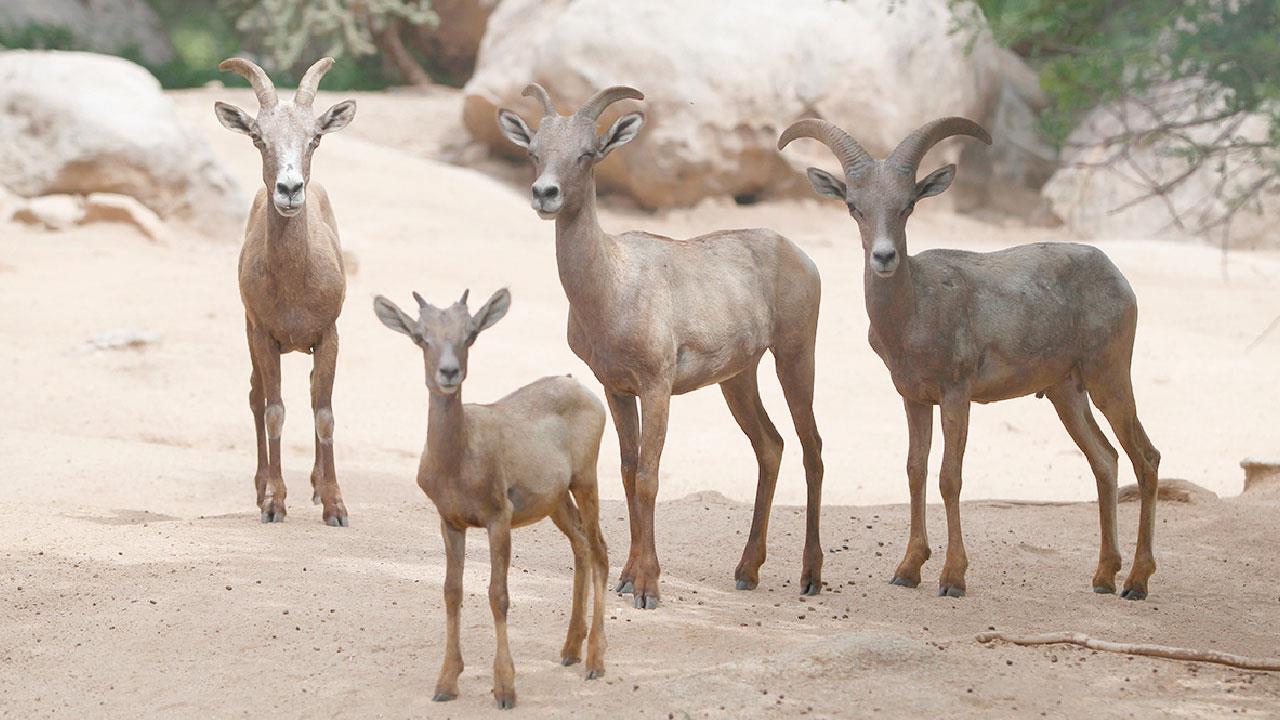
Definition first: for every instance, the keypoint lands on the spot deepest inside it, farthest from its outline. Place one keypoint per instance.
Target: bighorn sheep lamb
(291, 275)
(655, 317)
(526, 457)
(956, 327)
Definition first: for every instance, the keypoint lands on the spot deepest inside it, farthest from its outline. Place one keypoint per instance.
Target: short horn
(603, 99)
(912, 150)
(257, 77)
(534, 90)
(310, 82)
(463, 300)
(851, 155)
(421, 303)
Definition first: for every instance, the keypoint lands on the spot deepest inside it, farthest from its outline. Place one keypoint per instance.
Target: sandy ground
(136, 580)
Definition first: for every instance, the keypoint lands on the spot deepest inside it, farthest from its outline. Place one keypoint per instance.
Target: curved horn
(257, 77)
(534, 90)
(463, 300)
(911, 151)
(603, 99)
(421, 303)
(306, 93)
(847, 150)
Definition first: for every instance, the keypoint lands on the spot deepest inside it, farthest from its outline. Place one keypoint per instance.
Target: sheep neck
(446, 432)
(584, 254)
(891, 304)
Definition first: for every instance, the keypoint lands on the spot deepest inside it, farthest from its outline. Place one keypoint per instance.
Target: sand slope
(127, 480)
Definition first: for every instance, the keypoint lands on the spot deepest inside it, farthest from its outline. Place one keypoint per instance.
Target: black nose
(450, 374)
(884, 257)
(546, 192)
(288, 190)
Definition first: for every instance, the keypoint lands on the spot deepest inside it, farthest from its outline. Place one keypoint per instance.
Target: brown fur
(956, 327)
(655, 317)
(291, 278)
(526, 457)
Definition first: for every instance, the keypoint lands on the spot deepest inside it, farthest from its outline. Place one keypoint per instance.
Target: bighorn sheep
(526, 457)
(655, 317)
(956, 327)
(291, 275)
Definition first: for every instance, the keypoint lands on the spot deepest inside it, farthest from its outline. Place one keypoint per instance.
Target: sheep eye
(586, 156)
(533, 158)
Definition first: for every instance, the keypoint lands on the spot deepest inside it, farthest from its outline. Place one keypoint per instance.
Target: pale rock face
(107, 26)
(723, 79)
(80, 123)
(1097, 198)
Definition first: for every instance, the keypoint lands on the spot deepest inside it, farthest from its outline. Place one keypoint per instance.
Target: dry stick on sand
(1160, 651)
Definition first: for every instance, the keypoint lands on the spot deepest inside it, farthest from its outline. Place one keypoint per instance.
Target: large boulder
(107, 26)
(80, 123)
(722, 80)
(1104, 188)
(453, 44)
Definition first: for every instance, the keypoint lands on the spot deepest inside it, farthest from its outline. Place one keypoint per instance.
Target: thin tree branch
(1270, 664)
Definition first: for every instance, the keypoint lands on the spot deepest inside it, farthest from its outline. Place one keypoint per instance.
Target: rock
(1170, 489)
(1104, 201)
(105, 207)
(713, 110)
(51, 212)
(1261, 475)
(454, 43)
(80, 123)
(105, 26)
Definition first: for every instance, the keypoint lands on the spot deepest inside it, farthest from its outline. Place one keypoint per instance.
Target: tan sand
(137, 581)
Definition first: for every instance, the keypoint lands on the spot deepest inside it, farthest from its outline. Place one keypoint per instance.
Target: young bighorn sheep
(291, 275)
(956, 327)
(655, 317)
(526, 457)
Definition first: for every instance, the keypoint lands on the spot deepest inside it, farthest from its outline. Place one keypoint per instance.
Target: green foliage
(284, 31)
(39, 37)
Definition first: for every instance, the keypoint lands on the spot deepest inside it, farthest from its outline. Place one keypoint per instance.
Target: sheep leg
(1114, 397)
(266, 356)
(920, 434)
(794, 364)
(743, 397)
(654, 409)
(627, 420)
(1069, 399)
(955, 432)
(504, 670)
(586, 492)
(326, 482)
(455, 547)
(258, 404)
(567, 518)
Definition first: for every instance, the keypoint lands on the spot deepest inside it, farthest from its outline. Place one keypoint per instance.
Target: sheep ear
(392, 316)
(826, 184)
(514, 128)
(337, 117)
(623, 131)
(233, 118)
(490, 313)
(936, 182)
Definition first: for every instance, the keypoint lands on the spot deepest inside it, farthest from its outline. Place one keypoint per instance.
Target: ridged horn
(851, 155)
(310, 82)
(603, 99)
(912, 150)
(536, 91)
(257, 77)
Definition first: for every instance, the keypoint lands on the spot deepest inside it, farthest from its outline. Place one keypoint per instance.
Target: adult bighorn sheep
(291, 275)
(956, 327)
(655, 317)
(526, 457)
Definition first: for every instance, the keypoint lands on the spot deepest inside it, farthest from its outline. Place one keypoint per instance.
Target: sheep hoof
(626, 587)
(594, 674)
(746, 585)
(443, 697)
(337, 521)
(506, 703)
(646, 602)
(811, 588)
(568, 660)
(272, 516)
(904, 582)
(315, 498)
(950, 591)
(1134, 594)
(1104, 590)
